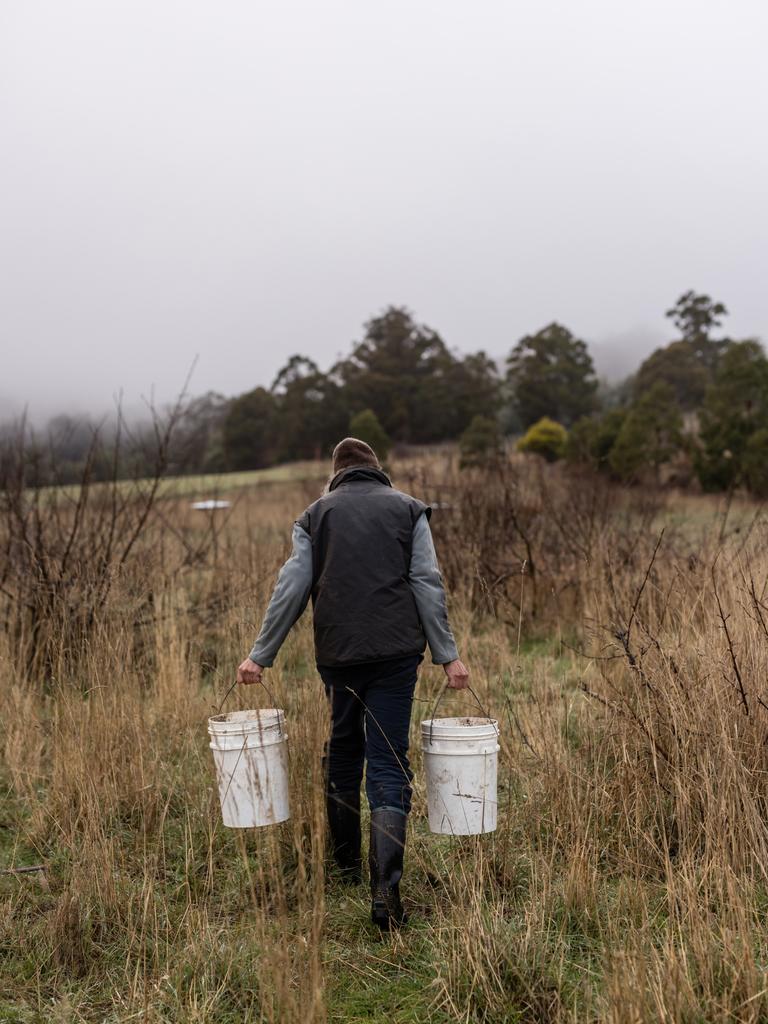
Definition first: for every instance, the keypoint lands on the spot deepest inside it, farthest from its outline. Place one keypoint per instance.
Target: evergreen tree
(472, 389)
(366, 427)
(249, 431)
(755, 463)
(311, 412)
(650, 435)
(419, 390)
(551, 374)
(695, 316)
(735, 408)
(679, 366)
(397, 371)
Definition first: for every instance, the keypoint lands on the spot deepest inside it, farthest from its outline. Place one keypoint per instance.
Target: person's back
(362, 537)
(364, 553)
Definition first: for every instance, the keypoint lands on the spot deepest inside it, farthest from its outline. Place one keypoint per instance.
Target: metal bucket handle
(440, 697)
(269, 694)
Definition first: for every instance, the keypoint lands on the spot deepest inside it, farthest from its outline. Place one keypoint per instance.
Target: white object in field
(210, 503)
(461, 765)
(251, 757)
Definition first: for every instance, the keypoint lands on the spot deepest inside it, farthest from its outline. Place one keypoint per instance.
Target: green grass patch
(210, 485)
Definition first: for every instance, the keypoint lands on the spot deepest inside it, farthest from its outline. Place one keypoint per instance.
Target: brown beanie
(353, 452)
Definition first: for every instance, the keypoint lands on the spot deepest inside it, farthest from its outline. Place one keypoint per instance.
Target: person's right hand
(249, 672)
(458, 674)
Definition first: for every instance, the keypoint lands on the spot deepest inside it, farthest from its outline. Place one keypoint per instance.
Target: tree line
(699, 403)
(697, 406)
(418, 390)
(400, 381)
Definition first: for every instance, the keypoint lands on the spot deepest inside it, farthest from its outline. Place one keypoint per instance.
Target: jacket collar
(359, 473)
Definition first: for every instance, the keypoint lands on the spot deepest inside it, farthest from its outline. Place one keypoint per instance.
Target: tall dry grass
(621, 640)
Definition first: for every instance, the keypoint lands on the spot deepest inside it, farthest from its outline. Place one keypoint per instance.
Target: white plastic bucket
(251, 758)
(461, 764)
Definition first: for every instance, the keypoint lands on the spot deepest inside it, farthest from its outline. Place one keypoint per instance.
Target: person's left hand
(250, 672)
(458, 675)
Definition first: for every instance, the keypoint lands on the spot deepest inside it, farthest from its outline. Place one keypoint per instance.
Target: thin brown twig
(724, 620)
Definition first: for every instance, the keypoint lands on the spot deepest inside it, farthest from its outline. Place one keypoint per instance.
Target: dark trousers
(370, 716)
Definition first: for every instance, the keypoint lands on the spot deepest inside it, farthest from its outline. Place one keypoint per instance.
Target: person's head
(353, 452)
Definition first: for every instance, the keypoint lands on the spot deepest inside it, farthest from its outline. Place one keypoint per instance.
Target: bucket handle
(440, 697)
(269, 694)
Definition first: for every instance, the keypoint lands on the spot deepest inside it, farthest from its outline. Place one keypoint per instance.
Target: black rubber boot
(344, 826)
(386, 863)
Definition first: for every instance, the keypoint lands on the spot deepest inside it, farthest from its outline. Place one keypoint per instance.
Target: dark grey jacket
(365, 553)
(361, 533)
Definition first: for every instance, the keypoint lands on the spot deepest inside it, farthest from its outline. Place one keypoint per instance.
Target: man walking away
(364, 552)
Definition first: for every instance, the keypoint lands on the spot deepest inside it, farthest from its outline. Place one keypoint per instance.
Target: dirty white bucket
(460, 761)
(251, 758)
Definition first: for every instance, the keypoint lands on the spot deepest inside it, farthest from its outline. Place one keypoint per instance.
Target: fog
(245, 180)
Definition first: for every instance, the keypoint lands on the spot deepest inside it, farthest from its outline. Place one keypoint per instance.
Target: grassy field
(213, 485)
(225, 483)
(619, 637)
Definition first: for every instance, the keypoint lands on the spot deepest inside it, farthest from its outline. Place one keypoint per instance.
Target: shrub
(755, 463)
(580, 445)
(650, 435)
(546, 438)
(366, 427)
(591, 439)
(480, 444)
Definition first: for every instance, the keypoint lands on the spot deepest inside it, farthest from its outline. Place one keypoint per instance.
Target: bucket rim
(248, 720)
(461, 724)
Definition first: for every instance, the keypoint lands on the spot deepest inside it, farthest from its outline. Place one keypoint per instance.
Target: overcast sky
(242, 180)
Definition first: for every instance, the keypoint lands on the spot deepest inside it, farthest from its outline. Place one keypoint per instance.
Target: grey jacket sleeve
(427, 586)
(289, 599)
